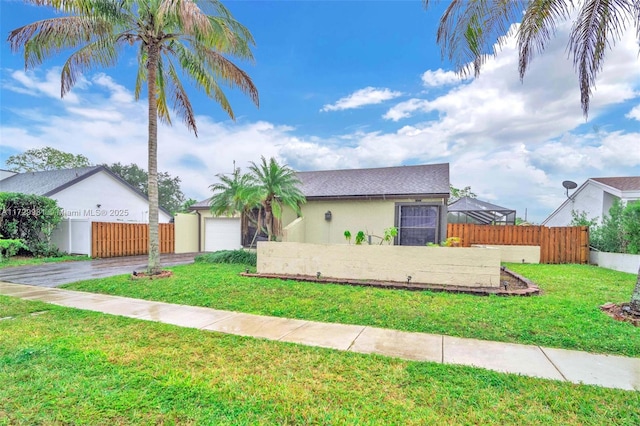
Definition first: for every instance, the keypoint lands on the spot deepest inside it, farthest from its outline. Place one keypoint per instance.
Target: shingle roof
(47, 182)
(384, 181)
(430, 179)
(629, 183)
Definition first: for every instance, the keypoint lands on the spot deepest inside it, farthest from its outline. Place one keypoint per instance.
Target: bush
(31, 219)
(242, 257)
(10, 248)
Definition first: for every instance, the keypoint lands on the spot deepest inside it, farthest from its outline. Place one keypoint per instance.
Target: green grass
(66, 366)
(22, 260)
(565, 316)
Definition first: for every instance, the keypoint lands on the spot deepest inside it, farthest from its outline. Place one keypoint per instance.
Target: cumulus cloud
(513, 142)
(359, 98)
(441, 77)
(634, 114)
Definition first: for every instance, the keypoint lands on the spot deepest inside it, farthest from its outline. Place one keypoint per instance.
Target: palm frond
(181, 103)
(600, 23)
(538, 27)
(103, 52)
(161, 93)
(228, 72)
(469, 30)
(44, 38)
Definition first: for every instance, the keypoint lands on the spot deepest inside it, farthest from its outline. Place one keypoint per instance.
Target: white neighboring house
(85, 195)
(595, 197)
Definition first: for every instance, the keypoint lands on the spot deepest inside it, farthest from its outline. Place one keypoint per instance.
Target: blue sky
(347, 84)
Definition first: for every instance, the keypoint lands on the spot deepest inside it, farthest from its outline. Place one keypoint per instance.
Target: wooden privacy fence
(568, 244)
(128, 239)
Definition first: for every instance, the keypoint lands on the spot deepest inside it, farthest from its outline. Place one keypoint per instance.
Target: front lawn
(28, 260)
(565, 316)
(66, 366)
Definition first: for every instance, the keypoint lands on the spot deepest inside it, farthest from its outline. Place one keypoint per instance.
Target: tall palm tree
(172, 35)
(469, 29)
(276, 186)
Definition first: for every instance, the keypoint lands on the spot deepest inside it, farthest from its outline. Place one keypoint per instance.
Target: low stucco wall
(294, 232)
(617, 261)
(186, 233)
(516, 254)
(467, 267)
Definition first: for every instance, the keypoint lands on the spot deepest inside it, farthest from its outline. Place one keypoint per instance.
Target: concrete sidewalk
(556, 364)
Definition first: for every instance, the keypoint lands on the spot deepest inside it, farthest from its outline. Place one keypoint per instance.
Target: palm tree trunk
(154, 244)
(635, 297)
(268, 222)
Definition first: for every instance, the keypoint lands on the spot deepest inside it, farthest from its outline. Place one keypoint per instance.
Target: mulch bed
(511, 284)
(620, 312)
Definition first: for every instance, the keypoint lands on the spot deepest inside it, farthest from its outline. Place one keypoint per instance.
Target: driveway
(56, 274)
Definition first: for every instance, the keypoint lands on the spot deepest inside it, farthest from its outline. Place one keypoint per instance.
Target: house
(411, 198)
(84, 195)
(595, 197)
(93, 193)
(472, 210)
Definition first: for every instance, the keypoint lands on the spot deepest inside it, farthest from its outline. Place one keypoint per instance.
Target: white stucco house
(85, 195)
(93, 193)
(595, 197)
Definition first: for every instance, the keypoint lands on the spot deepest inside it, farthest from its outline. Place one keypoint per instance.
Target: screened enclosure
(472, 210)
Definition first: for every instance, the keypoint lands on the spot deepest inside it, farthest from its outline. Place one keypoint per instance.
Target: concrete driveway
(56, 274)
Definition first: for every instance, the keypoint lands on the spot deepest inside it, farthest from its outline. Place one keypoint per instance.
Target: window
(417, 224)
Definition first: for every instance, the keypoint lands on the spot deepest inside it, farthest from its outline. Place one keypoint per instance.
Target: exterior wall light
(327, 216)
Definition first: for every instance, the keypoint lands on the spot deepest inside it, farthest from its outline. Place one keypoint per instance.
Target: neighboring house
(472, 210)
(595, 197)
(90, 193)
(411, 198)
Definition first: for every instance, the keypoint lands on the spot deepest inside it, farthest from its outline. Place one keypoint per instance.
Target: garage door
(222, 234)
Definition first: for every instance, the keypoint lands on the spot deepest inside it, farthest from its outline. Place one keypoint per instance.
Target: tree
(276, 186)
(233, 194)
(47, 158)
(171, 35)
(170, 196)
(236, 194)
(457, 193)
(186, 205)
(468, 30)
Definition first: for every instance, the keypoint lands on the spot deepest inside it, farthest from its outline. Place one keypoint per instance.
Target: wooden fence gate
(110, 239)
(569, 244)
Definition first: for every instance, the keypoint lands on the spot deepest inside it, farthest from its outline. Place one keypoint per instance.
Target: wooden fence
(568, 244)
(128, 239)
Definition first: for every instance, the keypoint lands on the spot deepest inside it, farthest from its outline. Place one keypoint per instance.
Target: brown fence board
(110, 239)
(568, 244)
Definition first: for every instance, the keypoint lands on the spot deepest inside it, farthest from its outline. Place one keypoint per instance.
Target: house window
(417, 224)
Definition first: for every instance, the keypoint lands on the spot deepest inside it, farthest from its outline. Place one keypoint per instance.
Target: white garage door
(222, 234)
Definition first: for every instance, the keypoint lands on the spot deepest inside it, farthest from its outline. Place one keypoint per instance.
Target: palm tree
(232, 194)
(172, 35)
(469, 29)
(236, 194)
(276, 186)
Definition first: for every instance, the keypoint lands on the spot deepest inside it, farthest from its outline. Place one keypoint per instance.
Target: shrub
(10, 248)
(242, 257)
(31, 219)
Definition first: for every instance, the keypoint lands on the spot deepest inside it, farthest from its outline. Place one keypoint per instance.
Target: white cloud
(30, 84)
(362, 97)
(634, 113)
(441, 77)
(513, 142)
